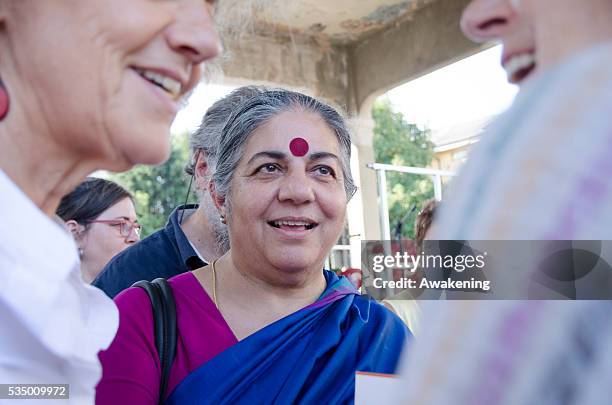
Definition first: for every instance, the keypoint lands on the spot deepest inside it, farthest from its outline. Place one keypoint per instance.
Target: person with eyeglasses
(101, 216)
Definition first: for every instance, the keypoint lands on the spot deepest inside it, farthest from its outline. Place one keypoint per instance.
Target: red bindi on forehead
(298, 146)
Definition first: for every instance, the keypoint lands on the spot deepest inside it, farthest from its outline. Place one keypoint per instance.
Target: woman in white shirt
(85, 85)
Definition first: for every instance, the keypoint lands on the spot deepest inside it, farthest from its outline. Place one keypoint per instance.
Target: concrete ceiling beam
(299, 63)
(427, 41)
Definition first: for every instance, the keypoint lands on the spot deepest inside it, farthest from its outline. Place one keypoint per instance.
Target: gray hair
(206, 139)
(258, 110)
(208, 135)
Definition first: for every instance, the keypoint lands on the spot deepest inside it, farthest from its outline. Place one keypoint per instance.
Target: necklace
(214, 282)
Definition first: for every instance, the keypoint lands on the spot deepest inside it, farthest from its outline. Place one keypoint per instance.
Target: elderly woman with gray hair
(264, 322)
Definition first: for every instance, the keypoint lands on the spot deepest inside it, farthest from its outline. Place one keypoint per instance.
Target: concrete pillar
(354, 213)
(363, 126)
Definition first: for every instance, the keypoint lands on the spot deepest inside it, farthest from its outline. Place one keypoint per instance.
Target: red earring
(4, 101)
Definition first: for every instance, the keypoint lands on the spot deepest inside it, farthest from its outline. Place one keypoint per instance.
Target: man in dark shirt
(164, 253)
(194, 234)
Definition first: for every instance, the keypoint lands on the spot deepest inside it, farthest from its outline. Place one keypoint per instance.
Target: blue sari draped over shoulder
(309, 356)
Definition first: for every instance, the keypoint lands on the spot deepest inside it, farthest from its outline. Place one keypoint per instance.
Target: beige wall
(450, 160)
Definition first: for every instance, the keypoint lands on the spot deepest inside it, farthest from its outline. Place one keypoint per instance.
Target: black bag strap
(164, 326)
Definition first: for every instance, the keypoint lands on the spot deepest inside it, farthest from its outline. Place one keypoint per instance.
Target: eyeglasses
(125, 226)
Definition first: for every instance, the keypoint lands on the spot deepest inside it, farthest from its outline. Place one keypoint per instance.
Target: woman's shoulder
(185, 282)
(132, 299)
(190, 295)
(135, 317)
(137, 298)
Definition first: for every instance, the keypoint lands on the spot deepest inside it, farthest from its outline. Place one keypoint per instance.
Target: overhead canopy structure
(348, 52)
(343, 50)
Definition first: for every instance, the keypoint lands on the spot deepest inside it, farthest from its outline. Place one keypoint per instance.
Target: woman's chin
(148, 152)
(153, 157)
(126, 160)
(148, 144)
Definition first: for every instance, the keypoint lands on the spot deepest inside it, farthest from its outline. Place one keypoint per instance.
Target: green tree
(159, 189)
(398, 142)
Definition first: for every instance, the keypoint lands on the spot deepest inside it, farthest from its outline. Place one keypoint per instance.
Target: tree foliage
(398, 142)
(159, 189)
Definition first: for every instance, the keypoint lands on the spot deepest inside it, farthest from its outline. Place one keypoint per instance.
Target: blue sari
(309, 356)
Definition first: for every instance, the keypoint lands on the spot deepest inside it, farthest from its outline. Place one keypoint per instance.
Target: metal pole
(437, 181)
(383, 208)
(383, 211)
(408, 169)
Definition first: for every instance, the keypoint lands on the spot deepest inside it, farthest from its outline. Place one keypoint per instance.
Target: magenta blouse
(131, 368)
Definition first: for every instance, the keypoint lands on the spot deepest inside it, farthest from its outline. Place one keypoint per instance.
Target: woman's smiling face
(104, 77)
(287, 208)
(537, 34)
